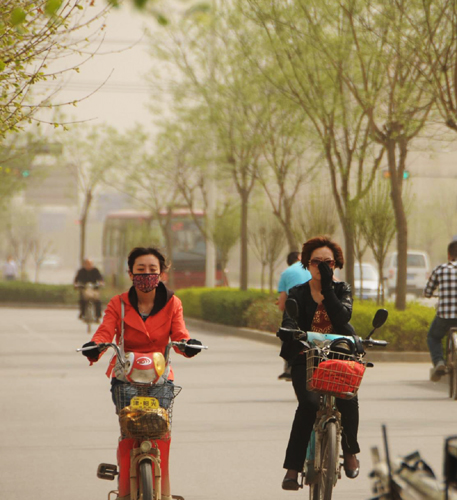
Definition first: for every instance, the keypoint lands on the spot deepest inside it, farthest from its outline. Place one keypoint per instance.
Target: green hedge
(24, 292)
(221, 305)
(404, 330)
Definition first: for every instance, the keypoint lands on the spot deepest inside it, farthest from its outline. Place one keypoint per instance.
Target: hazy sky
(123, 99)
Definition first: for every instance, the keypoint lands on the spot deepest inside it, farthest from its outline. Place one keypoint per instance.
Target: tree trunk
(349, 257)
(244, 241)
(83, 222)
(169, 246)
(396, 181)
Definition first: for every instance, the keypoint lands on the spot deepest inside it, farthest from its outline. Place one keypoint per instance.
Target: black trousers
(305, 415)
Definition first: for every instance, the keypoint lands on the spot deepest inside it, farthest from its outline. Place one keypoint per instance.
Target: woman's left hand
(326, 273)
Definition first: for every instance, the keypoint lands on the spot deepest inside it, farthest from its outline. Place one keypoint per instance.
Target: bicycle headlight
(145, 446)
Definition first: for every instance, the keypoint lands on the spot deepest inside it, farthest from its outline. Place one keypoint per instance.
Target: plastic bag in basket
(337, 376)
(153, 423)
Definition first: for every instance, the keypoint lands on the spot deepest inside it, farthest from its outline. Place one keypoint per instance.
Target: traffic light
(386, 174)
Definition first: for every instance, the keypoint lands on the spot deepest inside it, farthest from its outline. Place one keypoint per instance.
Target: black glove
(191, 351)
(91, 354)
(326, 276)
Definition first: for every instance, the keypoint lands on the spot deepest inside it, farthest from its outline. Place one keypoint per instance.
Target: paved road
(231, 421)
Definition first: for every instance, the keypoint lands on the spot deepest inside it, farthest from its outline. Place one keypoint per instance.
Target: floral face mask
(146, 282)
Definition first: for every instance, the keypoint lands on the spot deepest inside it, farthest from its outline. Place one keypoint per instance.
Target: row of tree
(283, 87)
(267, 94)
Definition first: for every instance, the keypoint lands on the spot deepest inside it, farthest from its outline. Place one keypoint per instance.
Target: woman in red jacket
(153, 316)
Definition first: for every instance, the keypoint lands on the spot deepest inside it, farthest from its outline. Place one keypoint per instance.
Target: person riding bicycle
(153, 316)
(88, 274)
(325, 306)
(443, 277)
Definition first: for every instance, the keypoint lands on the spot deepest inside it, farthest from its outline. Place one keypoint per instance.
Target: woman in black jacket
(325, 306)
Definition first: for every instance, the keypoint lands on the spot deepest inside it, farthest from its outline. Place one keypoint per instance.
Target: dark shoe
(438, 371)
(290, 484)
(285, 376)
(351, 466)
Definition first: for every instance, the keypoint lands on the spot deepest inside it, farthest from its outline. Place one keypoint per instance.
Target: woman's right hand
(91, 354)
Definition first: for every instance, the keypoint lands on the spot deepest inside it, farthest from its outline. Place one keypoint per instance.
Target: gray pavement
(230, 425)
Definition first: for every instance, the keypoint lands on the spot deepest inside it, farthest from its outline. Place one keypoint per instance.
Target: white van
(417, 272)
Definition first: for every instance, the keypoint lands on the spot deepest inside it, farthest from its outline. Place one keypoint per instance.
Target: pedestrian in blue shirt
(294, 275)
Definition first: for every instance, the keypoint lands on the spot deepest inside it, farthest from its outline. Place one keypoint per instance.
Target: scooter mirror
(380, 318)
(292, 308)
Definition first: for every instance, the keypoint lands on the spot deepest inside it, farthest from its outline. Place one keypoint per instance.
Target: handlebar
(103, 346)
(371, 342)
(89, 284)
(309, 336)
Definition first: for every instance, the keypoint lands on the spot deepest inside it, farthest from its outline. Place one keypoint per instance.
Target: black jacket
(337, 303)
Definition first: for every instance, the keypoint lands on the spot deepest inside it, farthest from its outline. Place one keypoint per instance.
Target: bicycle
(335, 368)
(144, 405)
(451, 362)
(90, 294)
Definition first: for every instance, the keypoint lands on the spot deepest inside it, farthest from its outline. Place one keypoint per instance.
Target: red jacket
(151, 335)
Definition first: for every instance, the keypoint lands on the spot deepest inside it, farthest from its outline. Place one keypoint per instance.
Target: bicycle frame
(146, 450)
(327, 412)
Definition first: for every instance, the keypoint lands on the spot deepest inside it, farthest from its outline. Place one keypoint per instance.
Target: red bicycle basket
(338, 377)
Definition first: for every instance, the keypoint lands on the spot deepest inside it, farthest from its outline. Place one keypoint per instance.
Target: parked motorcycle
(411, 478)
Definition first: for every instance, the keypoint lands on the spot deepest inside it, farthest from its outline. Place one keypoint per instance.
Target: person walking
(10, 269)
(294, 275)
(443, 277)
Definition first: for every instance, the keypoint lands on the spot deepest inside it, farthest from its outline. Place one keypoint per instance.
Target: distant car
(51, 262)
(368, 280)
(417, 272)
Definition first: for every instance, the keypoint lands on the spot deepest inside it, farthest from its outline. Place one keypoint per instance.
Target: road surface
(230, 424)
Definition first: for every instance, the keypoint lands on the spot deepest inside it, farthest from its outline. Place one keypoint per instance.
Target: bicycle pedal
(107, 471)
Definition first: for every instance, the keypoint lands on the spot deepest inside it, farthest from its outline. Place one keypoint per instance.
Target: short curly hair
(319, 242)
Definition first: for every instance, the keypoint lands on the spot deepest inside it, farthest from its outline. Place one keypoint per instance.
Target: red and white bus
(125, 229)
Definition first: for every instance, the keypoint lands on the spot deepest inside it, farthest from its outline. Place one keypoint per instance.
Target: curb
(270, 338)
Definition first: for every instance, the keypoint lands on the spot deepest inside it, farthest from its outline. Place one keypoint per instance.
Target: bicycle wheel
(452, 364)
(146, 485)
(89, 315)
(329, 456)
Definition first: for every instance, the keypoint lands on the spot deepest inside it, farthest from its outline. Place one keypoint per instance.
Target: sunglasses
(316, 262)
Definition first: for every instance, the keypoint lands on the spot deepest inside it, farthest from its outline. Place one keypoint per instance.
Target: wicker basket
(333, 373)
(145, 411)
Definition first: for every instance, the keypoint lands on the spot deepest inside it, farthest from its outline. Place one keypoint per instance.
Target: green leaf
(52, 6)
(2, 65)
(140, 3)
(113, 3)
(17, 16)
(161, 19)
